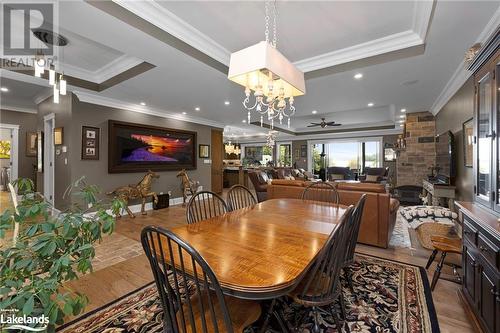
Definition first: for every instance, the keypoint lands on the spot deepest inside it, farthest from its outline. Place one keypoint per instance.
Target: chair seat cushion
(242, 313)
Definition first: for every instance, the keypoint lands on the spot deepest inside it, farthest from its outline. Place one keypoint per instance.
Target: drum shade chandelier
(272, 78)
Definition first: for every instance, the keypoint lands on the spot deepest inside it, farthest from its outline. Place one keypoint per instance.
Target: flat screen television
(445, 157)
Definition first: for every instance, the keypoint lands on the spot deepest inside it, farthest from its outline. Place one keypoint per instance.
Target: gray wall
(96, 172)
(451, 117)
(27, 123)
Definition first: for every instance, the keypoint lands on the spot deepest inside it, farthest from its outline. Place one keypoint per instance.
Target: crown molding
(43, 96)
(422, 14)
(461, 74)
(91, 98)
(111, 69)
(169, 22)
(371, 48)
(18, 109)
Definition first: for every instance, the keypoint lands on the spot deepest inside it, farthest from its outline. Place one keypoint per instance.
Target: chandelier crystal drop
(267, 75)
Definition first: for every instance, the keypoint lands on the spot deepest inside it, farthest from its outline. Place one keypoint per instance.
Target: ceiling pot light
(227, 103)
(184, 112)
(272, 78)
(197, 108)
(243, 121)
(402, 116)
(370, 104)
(314, 112)
(358, 76)
(4, 89)
(403, 110)
(143, 104)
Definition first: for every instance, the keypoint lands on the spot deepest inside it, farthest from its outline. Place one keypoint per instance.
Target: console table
(437, 192)
(480, 266)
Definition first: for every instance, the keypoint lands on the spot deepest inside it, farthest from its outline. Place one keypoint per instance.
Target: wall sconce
(58, 136)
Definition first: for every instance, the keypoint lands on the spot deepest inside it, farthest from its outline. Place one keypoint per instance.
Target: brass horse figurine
(188, 187)
(142, 190)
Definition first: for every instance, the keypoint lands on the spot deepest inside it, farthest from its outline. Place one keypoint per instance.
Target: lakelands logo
(10, 321)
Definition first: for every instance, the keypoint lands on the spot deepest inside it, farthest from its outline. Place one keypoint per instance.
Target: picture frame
(31, 144)
(90, 142)
(137, 148)
(303, 151)
(58, 136)
(468, 142)
(389, 154)
(203, 151)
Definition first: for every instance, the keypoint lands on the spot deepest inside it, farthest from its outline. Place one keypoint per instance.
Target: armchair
(380, 174)
(259, 181)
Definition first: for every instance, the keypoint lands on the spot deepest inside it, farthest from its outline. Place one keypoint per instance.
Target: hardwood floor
(109, 283)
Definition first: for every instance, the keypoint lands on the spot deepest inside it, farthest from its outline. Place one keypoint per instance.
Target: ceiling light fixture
(143, 104)
(274, 80)
(403, 110)
(314, 112)
(358, 76)
(197, 108)
(271, 138)
(243, 121)
(227, 103)
(402, 116)
(184, 112)
(4, 89)
(370, 104)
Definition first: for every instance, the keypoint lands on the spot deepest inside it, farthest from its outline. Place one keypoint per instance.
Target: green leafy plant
(41, 249)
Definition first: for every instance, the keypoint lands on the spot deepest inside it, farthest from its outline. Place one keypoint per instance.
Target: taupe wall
(301, 161)
(27, 123)
(62, 171)
(451, 117)
(96, 172)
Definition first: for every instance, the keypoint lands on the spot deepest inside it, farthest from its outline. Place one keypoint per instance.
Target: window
(354, 154)
(285, 154)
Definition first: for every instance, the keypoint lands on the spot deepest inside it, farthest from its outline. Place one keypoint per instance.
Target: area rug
(389, 297)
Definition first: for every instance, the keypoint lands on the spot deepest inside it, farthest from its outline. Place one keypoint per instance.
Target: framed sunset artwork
(139, 148)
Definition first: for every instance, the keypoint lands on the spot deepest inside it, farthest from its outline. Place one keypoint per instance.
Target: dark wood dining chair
(204, 205)
(321, 191)
(190, 294)
(321, 285)
(352, 240)
(239, 197)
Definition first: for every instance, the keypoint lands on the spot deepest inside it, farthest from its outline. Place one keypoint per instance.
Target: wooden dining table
(263, 251)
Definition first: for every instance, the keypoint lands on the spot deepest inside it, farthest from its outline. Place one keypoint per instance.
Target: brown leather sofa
(379, 215)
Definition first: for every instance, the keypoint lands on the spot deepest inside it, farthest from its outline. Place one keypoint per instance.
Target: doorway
(49, 123)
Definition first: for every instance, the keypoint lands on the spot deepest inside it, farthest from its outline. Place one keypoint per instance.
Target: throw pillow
(371, 178)
(336, 176)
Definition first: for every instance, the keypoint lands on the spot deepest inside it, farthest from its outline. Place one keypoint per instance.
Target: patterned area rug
(389, 297)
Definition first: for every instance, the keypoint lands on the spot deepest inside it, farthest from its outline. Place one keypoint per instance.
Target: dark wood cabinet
(481, 264)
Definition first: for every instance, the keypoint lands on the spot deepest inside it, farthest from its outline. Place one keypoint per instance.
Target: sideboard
(481, 265)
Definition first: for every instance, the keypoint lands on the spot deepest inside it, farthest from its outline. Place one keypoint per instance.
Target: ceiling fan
(324, 124)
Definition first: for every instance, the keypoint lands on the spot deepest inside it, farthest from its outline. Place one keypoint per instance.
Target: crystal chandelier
(271, 138)
(274, 80)
(229, 148)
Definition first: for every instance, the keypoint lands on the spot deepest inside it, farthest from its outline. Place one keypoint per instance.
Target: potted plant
(41, 249)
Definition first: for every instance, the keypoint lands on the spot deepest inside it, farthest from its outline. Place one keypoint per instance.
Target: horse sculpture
(142, 190)
(188, 187)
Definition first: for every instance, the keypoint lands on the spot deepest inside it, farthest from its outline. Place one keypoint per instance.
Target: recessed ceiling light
(403, 110)
(4, 89)
(143, 104)
(197, 108)
(370, 104)
(358, 76)
(401, 125)
(401, 121)
(244, 121)
(184, 112)
(402, 116)
(314, 112)
(227, 103)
